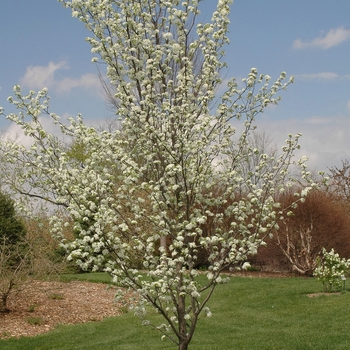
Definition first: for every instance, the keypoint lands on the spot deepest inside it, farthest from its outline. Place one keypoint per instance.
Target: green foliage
(331, 270)
(11, 227)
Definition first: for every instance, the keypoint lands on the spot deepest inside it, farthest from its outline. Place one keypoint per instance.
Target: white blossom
(169, 185)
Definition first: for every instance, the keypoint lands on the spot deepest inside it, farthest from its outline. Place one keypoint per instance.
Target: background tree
(340, 180)
(170, 168)
(260, 148)
(31, 255)
(13, 250)
(15, 266)
(11, 226)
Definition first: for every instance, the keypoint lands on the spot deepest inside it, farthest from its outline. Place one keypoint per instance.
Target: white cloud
(86, 81)
(318, 121)
(333, 37)
(15, 132)
(322, 75)
(38, 77)
(324, 139)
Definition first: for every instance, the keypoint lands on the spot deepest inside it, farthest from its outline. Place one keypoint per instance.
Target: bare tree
(340, 180)
(16, 268)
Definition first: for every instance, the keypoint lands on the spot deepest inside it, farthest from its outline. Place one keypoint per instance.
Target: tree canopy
(176, 164)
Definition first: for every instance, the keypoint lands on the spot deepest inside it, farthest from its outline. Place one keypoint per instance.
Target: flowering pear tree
(168, 184)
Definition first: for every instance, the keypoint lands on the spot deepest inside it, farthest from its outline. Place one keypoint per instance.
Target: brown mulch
(44, 305)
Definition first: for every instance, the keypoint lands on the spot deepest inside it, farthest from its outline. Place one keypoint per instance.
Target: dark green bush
(11, 227)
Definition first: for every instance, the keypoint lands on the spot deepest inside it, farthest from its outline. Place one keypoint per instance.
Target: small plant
(331, 270)
(124, 309)
(56, 296)
(94, 319)
(35, 321)
(32, 308)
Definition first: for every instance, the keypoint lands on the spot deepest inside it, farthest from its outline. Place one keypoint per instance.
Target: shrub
(331, 270)
(321, 221)
(11, 227)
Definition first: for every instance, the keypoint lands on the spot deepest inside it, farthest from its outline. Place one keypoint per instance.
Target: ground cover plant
(250, 313)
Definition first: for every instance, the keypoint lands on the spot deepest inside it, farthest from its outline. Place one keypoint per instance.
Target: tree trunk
(181, 309)
(3, 302)
(163, 242)
(183, 346)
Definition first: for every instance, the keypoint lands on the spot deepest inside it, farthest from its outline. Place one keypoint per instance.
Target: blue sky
(43, 46)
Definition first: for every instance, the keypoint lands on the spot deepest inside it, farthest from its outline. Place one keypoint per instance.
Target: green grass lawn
(248, 313)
